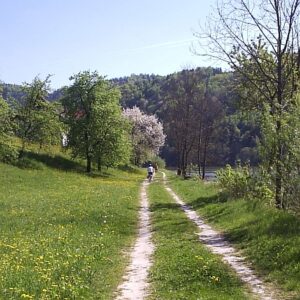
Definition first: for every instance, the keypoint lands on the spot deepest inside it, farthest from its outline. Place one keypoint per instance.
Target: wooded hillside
(226, 137)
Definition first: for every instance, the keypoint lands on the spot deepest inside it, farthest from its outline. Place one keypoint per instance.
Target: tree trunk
(182, 158)
(279, 156)
(199, 162)
(199, 154)
(278, 185)
(204, 157)
(99, 164)
(22, 151)
(178, 165)
(88, 164)
(278, 179)
(88, 153)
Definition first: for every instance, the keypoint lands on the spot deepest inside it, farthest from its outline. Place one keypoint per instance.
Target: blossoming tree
(147, 134)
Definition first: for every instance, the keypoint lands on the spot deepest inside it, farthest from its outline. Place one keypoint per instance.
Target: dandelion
(215, 278)
(26, 296)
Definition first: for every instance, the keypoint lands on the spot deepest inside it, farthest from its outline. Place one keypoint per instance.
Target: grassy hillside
(62, 233)
(268, 237)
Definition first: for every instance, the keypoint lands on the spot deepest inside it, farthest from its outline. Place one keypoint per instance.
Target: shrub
(158, 161)
(242, 182)
(8, 153)
(260, 187)
(234, 181)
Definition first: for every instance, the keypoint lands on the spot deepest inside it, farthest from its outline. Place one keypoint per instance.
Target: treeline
(199, 111)
(87, 119)
(16, 92)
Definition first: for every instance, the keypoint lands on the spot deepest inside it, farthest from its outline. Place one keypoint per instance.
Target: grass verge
(63, 233)
(183, 268)
(268, 237)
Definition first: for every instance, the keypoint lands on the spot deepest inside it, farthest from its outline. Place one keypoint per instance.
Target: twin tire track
(135, 284)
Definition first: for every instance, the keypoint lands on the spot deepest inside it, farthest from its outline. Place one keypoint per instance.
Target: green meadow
(63, 234)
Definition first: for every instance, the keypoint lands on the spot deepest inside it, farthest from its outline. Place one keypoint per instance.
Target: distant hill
(141, 90)
(11, 91)
(15, 91)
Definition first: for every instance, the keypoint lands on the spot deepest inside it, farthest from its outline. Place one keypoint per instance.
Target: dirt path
(217, 244)
(135, 283)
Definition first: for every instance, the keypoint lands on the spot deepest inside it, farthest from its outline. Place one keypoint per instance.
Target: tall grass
(63, 233)
(268, 237)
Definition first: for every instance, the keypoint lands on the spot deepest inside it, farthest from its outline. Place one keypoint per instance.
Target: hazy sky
(114, 37)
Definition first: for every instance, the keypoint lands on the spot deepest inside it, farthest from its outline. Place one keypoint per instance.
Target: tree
(209, 112)
(259, 40)
(7, 152)
(37, 119)
(112, 146)
(181, 93)
(5, 121)
(93, 115)
(147, 135)
(191, 114)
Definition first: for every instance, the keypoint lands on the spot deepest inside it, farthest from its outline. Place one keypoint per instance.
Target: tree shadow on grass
(272, 222)
(34, 160)
(239, 234)
(130, 169)
(265, 223)
(56, 162)
(284, 225)
(203, 201)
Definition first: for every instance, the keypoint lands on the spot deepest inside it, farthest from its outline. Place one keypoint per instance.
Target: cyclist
(150, 171)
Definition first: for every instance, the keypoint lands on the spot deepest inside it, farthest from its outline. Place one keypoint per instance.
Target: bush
(241, 182)
(291, 185)
(260, 187)
(234, 181)
(8, 153)
(158, 161)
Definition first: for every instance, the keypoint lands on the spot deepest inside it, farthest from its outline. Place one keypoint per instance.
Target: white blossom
(147, 132)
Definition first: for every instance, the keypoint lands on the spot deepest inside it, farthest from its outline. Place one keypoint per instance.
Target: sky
(115, 37)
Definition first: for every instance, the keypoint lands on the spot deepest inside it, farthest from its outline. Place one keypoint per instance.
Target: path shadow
(160, 206)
